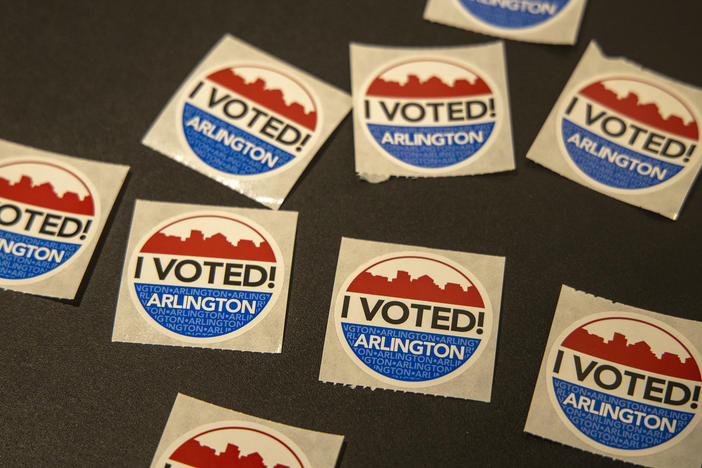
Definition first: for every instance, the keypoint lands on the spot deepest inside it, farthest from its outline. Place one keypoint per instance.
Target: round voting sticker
(513, 14)
(430, 115)
(235, 444)
(48, 212)
(206, 276)
(249, 120)
(625, 383)
(625, 134)
(413, 319)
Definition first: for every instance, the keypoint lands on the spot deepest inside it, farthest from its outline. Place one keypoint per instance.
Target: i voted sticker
(206, 276)
(48, 213)
(625, 383)
(628, 134)
(203, 435)
(413, 319)
(249, 119)
(545, 21)
(233, 444)
(624, 131)
(430, 114)
(513, 14)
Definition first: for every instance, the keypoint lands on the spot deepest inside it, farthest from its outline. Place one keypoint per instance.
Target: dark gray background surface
(88, 78)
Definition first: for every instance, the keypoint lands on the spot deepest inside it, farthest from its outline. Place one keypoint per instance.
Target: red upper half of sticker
(273, 99)
(423, 288)
(638, 355)
(648, 113)
(433, 87)
(44, 195)
(214, 246)
(193, 453)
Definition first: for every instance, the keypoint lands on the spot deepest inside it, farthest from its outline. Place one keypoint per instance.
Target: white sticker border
(425, 383)
(215, 339)
(574, 430)
(598, 186)
(97, 218)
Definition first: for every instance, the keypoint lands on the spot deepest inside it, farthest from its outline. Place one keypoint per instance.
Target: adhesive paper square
(546, 21)
(248, 120)
(202, 435)
(206, 276)
(52, 212)
(624, 131)
(413, 319)
(620, 381)
(430, 112)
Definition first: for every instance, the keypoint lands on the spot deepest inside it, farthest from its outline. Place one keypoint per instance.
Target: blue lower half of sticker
(432, 147)
(228, 148)
(405, 355)
(612, 164)
(200, 312)
(618, 422)
(24, 257)
(514, 14)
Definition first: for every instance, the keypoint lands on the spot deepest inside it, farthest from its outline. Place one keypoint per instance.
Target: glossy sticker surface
(621, 382)
(429, 113)
(628, 133)
(206, 276)
(625, 382)
(249, 119)
(413, 318)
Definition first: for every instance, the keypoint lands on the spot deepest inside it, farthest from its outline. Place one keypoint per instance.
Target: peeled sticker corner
(430, 112)
(248, 120)
(206, 276)
(626, 132)
(545, 21)
(413, 319)
(621, 382)
(52, 212)
(203, 435)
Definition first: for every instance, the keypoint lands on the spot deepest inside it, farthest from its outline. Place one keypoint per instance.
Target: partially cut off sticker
(206, 276)
(547, 21)
(46, 219)
(51, 216)
(227, 443)
(622, 382)
(413, 319)
(430, 112)
(202, 435)
(626, 132)
(248, 120)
